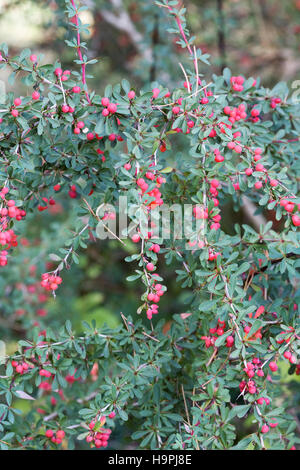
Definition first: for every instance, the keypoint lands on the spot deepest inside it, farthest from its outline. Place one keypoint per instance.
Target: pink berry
(35, 95)
(60, 434)
(136, 238)
(105, 101)
(296, 220)
(265, 428)
(112, 108)
(156, 92)
(150, 267)
(287, 354)
(58, 72)
(229, 341)
(273, 366)
(131, 95)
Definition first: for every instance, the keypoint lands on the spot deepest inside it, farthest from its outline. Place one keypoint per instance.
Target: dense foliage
(186, 382)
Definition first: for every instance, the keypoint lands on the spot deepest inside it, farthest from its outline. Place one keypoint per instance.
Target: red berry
(35, 95)
(265, 428)
(150, 267)
(273, 366)
(60, 434)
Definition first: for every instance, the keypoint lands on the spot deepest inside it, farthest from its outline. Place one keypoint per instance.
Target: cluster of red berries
(8, 211)
(155, 248)
(213, 255)
(291, 208)
(78, 126)
(56, 437)
(21, 367)
(249, 387)
(154, 296)
(215, 332)
(290, 357)
(202, 213)
(67, 109)
(218, 157)
(237, 83)
(213, 190)
(288, 338)
(262, 400)
(50, 281)
(109, 108)
(266, 428)
(274, 102)
(156, 291)
(153, 193)
(288, 354)
(255, 115)
(14, 112)
(100, 437)
(257, 155)
(62, 75)
(253, 368)
(45, 373)
(47, 201)
(236, 114)
(72, 191)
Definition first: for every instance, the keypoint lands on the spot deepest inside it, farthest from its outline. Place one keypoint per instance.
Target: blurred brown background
(253, 37)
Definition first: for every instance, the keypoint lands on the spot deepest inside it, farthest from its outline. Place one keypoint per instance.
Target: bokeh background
(253, 37)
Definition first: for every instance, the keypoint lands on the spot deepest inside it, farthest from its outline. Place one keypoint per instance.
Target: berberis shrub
(211, 377)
